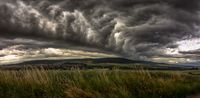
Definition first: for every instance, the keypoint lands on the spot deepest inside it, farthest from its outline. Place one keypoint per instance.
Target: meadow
(41, 83)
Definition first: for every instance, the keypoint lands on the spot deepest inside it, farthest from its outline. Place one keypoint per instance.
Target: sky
(152, 30)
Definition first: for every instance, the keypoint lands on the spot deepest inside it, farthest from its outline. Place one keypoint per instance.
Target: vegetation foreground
(40, 83)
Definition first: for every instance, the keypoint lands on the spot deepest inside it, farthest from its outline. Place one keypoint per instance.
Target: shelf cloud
(136, 29)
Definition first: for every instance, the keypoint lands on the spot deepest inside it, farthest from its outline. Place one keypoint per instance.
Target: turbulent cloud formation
(19, 50)
(137, 29)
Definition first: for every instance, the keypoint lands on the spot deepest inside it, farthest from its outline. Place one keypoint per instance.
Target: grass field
(40, 83)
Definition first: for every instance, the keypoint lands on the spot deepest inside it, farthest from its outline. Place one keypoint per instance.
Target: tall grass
(41, 83)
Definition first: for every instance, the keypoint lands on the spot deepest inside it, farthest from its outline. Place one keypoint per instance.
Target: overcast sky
(154, 30)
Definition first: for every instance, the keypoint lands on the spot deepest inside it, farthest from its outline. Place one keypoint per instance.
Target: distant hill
(93, 63)
(85, 61)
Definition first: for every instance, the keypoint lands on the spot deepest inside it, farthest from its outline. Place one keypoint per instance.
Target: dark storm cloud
(195, 52)
(135, 28)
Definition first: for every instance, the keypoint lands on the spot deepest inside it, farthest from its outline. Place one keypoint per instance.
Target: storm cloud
(137, 29)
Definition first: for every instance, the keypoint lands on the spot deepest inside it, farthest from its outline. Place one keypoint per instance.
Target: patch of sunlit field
(41, 83)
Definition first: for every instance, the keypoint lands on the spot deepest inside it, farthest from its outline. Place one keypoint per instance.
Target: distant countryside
(117, 81)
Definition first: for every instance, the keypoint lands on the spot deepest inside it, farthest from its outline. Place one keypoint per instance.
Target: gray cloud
(133, 28)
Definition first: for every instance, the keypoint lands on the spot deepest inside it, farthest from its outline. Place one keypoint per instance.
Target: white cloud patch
(187, 50)
(189, 44)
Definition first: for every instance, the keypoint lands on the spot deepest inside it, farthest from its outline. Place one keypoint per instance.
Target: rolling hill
(97, 63)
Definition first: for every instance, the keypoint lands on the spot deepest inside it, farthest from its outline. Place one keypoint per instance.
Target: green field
(40, 83)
